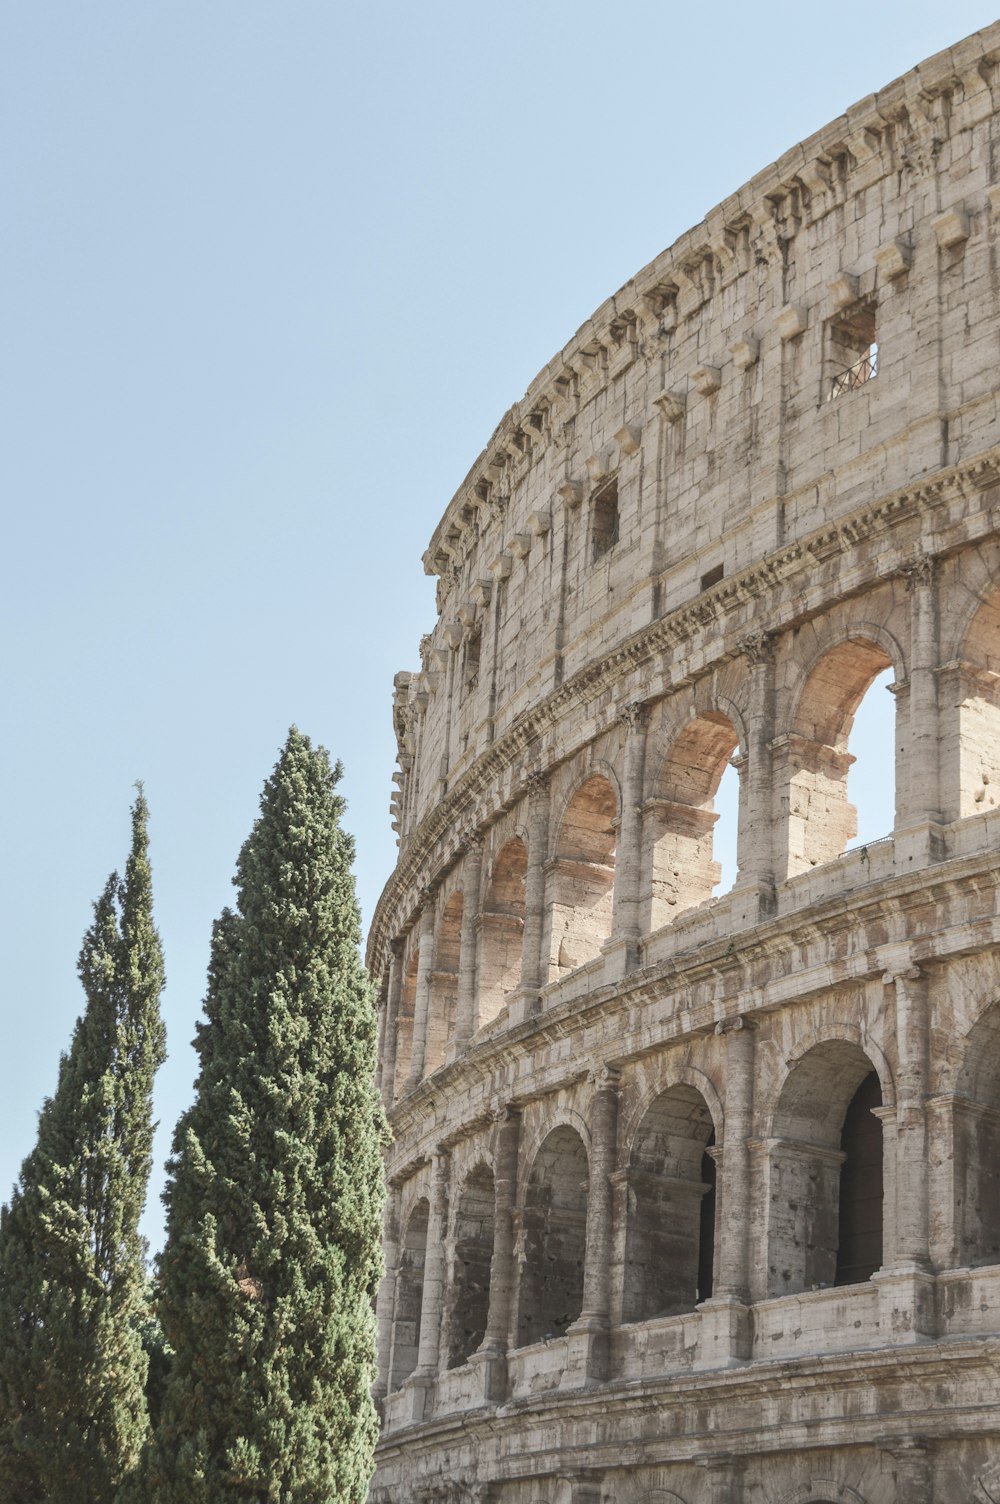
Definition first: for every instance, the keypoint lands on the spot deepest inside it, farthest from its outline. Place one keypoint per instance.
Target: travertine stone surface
(696, 1195)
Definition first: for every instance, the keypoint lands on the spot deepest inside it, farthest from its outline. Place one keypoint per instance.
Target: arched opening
(404, 1023)
(409, 1295)
(583, 877)
(670, 1238)
(685, 845)
(859, 1243)
(825, 1211)
(971, 751)
(501, 930)
(821, 818)
(871, 778)
(444, 983)
(470, 1284)
(553, 1239)
(975, 1132)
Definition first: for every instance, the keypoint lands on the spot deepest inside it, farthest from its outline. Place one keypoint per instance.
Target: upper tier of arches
(609, 848)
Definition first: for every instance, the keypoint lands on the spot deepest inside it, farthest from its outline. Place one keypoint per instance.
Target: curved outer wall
(695, 1197)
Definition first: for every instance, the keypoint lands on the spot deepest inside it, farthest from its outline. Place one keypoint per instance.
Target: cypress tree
(73, 1416)
(272, 1253)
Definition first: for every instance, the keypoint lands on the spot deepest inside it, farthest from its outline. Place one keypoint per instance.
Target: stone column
(734, 1221)
(626, 922)
(434, 1269)
(389, 1033)
(910, 1461)
(425, 979)
(492, 1355)
(724, 1473)
(589, 1347)
(918, 798)
(725, 1319)
(584, 1488)
(532, 970)
(912, 1030)
(755, 843)
(905, 1283)
(386, 1298)
(467, 1020)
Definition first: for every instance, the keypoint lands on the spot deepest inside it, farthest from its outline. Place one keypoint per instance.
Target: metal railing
(862, 371)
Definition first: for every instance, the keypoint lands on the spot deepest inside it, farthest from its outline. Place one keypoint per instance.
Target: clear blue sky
(271, 273)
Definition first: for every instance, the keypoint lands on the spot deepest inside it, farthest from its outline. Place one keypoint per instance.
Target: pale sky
(272, 273)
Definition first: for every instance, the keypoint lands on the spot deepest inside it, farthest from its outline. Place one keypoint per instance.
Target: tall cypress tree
(73, 1414)
(273, 1207)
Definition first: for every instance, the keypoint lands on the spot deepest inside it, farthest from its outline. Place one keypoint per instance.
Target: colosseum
(694, 1194)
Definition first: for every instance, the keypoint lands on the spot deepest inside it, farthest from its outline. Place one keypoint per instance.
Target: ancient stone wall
(695, 1195)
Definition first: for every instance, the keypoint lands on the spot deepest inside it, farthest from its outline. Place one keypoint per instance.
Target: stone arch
(845, 1033)
(975, 1133)
(443, 1011)
(409, 1294)
(404, 1023)
(501, 929)
(473, 1254)
(970, 687)
(531, 1142)
(582, 874)
(825, 1212)
(812, 760)
(670, 1234)
(823, 1491)
(678, 830)
(672, 1074)
(553, 1220)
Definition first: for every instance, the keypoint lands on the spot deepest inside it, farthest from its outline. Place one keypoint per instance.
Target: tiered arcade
(696, 1195)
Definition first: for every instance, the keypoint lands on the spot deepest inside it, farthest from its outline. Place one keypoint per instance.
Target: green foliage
(273, 1208)
(73, 1415)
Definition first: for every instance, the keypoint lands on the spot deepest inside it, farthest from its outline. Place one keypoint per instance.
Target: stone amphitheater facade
(696, 1196)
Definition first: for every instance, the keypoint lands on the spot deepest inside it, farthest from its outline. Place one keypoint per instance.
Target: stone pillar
(755, 844)
(389, 1033)
(425, 980)
(725, 1319)
(910, 1461)
(912, 1029)
(626, 924)
(434, 1269)
(588, 1352)
(905, 1282)
(734, 1247)
(583, 1488)
(532, 970)
(918, 797)
(724, 1473)
(492, 1355)
(386, 1298)
(467, 1020)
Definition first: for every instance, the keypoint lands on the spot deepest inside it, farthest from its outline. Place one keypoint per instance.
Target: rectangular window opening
(473, 649)
(604, 520)
(851, 350)
(712, 576)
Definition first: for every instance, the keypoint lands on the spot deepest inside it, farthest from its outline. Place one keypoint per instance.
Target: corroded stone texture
(696, 1197)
